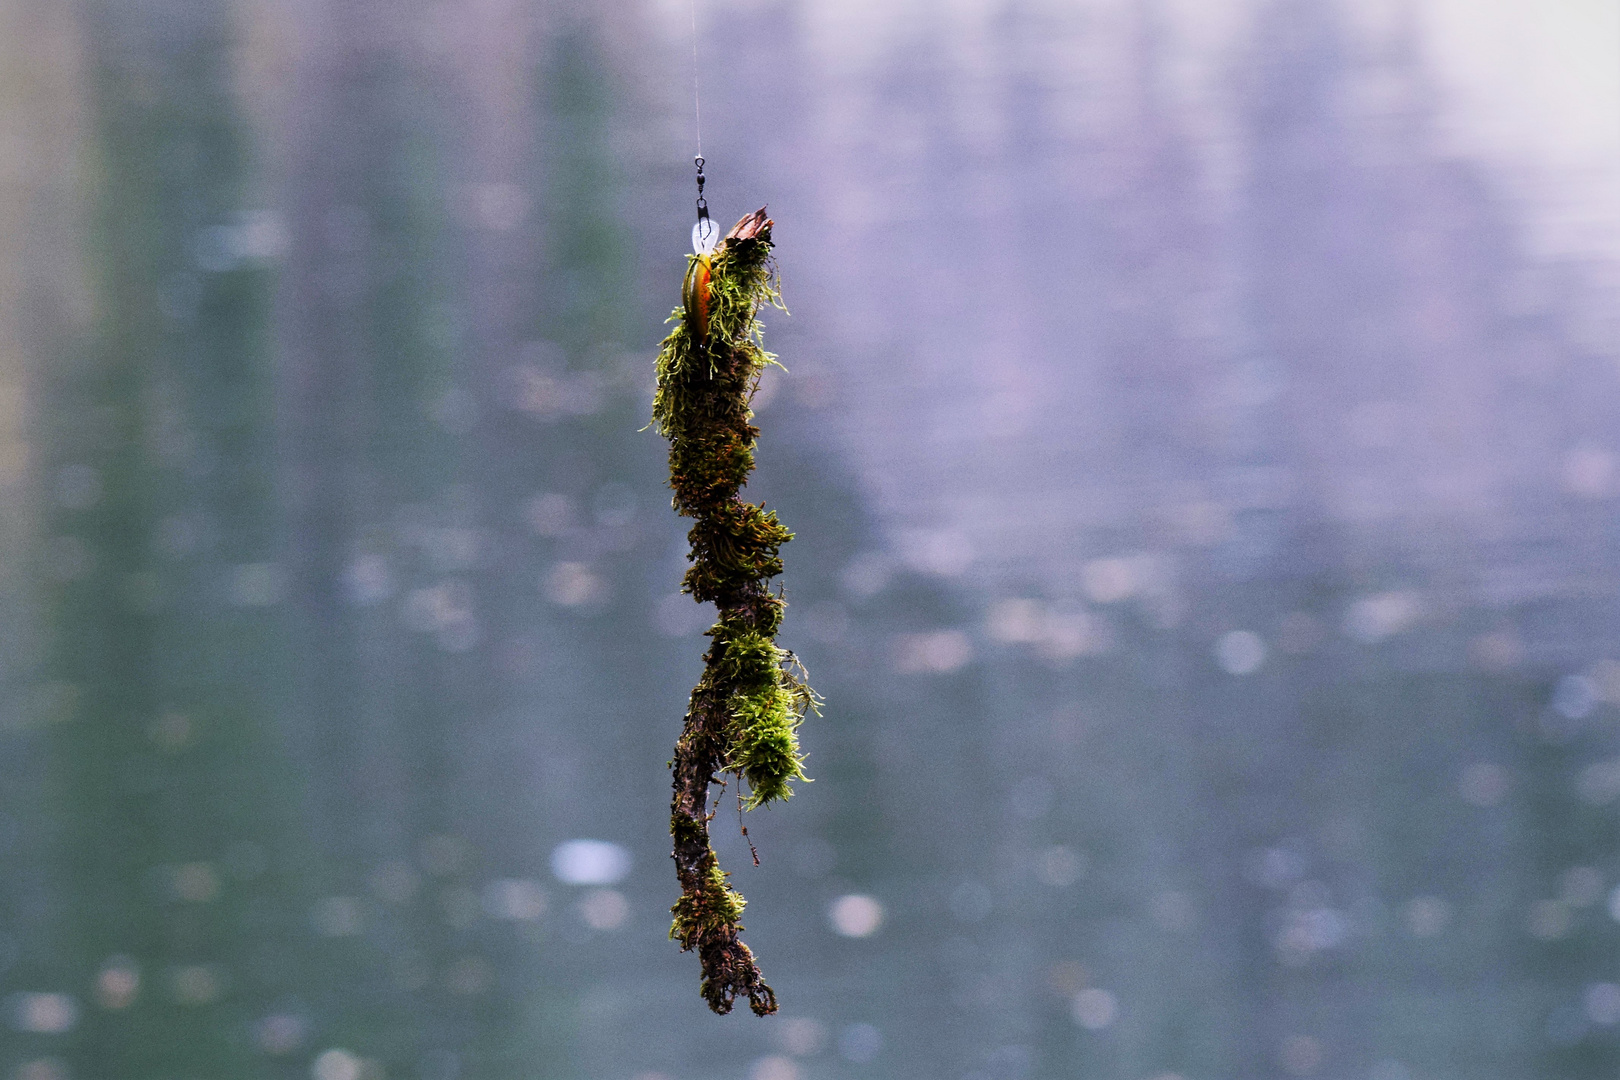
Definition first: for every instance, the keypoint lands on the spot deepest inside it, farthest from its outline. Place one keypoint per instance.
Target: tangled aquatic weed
(744, 714)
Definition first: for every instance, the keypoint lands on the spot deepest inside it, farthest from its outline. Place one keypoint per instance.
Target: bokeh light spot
(43, 1013)
(1588, 472)
(1108, 581)
(1240, 652)
(514, 899)
(1575, 697)
(936, 653)
(573, 584)
(941, 552)
(42, 1069)
(855, 915)
(279, 1033)
(1060, 866)
(196, 984)
(1599, 783)
(860, 1043)
(1094, 1008)
(549, 514)
(335, 1064)
(1426, 916)
(1383, 615)
(195, 883)
(1602, 1002)
(1548, 920)
(678, 615)
(117, 983)
(801, 1036)
(603, 909)
(866, 575)
(339, 916)
(773, 1067)
(590, 862)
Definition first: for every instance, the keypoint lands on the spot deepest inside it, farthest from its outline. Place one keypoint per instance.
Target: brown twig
(744, 712)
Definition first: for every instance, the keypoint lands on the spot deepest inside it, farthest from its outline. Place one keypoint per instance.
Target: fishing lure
(695, 298)
(700, 268)
(744, 715)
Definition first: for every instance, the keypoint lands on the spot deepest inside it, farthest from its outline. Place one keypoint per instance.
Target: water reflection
(1204, 490)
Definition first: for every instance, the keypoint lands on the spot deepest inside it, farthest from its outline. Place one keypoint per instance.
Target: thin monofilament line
(697, 109)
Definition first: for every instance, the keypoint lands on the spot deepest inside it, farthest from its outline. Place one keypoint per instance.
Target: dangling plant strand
(745, 712)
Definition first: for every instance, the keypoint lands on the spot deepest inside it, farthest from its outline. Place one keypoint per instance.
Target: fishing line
(705, 234)
(697, 107)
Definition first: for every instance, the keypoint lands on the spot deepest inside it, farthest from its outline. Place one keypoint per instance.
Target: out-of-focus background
(1202, 428)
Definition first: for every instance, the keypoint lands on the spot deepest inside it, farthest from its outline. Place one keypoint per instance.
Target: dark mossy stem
(744, 714)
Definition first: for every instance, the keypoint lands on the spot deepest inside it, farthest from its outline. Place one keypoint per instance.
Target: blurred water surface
(1199, 426)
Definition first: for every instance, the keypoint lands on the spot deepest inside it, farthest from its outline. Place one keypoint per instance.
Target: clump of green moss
(707, 910)
(767, 705)
(745, 712)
